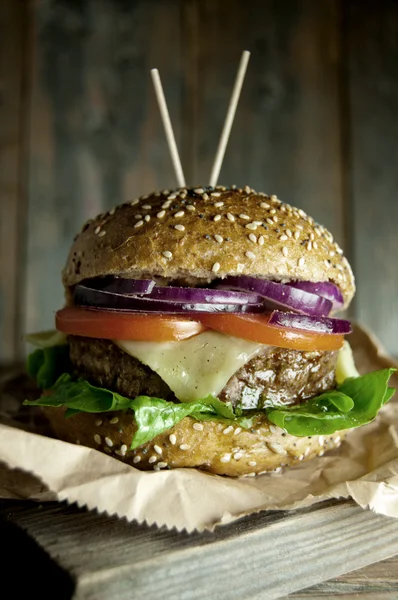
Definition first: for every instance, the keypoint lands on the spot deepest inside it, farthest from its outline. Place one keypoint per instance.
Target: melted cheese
(195, 367)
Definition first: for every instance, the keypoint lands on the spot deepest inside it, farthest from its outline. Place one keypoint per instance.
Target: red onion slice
(94, 298)
(312, 324)
(326, 289)
(204, 295)
(280, 296)
(118, 285)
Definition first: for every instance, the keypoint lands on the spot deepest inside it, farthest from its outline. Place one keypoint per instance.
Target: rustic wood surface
(12, 172)
(263, 556)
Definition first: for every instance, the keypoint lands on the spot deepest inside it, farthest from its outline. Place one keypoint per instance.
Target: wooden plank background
(80, 131)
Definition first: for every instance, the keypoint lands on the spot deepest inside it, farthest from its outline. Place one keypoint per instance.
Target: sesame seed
(245, 217)
(301, 213)
(274, 197)
(119, 453)
(190, 207)
(264, 205)
(326, 263)
(216, 267)
(166, 204)
(258, 223)
(152, 459)
(226, 458)
(301, 457)
(215, 194)
(315, 245)
(252, 463)
(138, 224)
(321, 440)
(283, 238)
(112, 211)
(147, 218)
(97, 439)
(98, 422)
(285, 251)
(205, 196)
(331, 253)
(114, 420)
(137, 217)
(321, 453)
(123, 448)
(312, 237)
(275, 219)
(172, 439)
(172, 197)
(146, 206)
(161, 214)
(288, 233)
(179, 227)
(157, 449)
(247, 189)
(134, 202)
(184, 447)
(217, 218)
(251, 226)
(301, 262)
(199, 191)
(261, 240)
(218, 204)
(238, 455)
(136, 459)
(108, 442)
(237, 430)
(296, 235)
(218, 238)
(166, 192)
(272, 211)
(252, 238)
(270, 221)
(179, 214)
(198, 426)
(167, 254)
(228, 430)
(144, 197)
(240, 267)
(97, 230)
(230, 217)
(337, 440)
(277, 448)
(250, 255)
(309, 245)
(162, 465)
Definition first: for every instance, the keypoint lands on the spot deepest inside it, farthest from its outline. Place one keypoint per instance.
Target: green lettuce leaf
(354, 403)
(47, 364)
(152, 415)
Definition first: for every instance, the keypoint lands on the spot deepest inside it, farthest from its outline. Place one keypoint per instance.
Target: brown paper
(364, 468)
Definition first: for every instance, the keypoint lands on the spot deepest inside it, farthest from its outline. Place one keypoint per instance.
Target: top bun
(193, 236)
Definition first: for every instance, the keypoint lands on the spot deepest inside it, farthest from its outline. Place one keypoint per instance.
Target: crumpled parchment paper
(364, 468)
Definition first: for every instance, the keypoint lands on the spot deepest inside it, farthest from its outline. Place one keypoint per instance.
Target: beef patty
(275, 376)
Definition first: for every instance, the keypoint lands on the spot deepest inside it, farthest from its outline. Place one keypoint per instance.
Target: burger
(198, 331)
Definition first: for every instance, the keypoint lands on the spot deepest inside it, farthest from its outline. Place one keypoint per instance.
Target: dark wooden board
(371, 32)
(286, 135)
(13, 96)
(96, 135)
(263, 556)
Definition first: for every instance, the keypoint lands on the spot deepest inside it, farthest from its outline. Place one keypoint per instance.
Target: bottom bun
(212, 446)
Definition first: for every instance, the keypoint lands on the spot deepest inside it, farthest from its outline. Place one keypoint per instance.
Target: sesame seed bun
(198, 235)
(212, 446)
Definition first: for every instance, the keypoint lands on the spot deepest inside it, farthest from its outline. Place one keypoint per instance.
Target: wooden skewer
(229, 118)
(168, 128)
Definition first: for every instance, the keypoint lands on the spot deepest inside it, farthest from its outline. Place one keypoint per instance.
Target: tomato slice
(257, 329)
(125, 326)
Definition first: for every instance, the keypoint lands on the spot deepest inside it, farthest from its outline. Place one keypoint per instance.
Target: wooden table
(94, 557)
